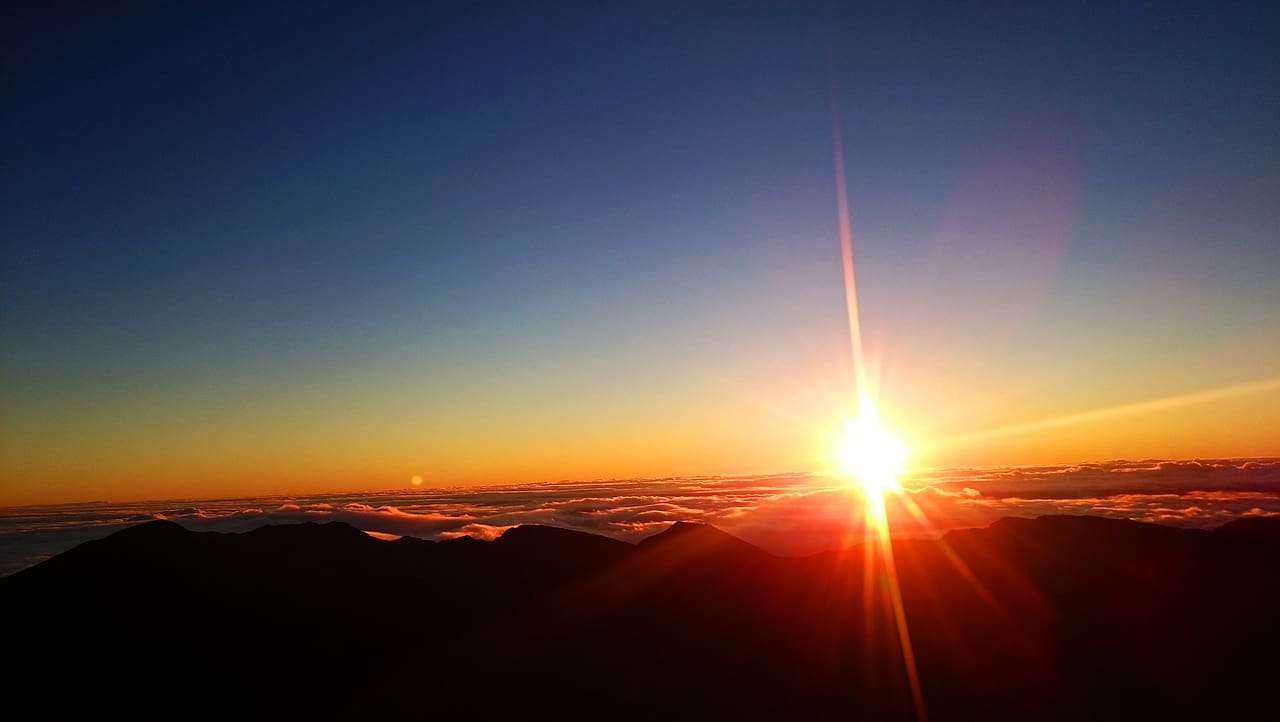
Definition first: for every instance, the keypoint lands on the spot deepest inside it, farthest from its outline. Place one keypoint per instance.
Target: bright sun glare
(870, 454)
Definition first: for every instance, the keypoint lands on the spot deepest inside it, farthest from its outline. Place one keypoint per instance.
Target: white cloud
(796, 513)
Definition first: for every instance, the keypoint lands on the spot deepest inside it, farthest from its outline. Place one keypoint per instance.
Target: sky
(306, 249)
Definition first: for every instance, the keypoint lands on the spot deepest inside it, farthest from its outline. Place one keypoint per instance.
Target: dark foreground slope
(1052, 618)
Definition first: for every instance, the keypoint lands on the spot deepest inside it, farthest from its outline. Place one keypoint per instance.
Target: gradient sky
(251, 250)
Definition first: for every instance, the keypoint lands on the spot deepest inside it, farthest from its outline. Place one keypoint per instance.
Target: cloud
(1111, 478)
(787, 514)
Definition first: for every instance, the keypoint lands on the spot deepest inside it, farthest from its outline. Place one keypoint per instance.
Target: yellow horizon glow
(283, 442)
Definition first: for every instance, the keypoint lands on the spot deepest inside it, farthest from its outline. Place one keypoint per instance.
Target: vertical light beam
(846, 252)
(876, 522)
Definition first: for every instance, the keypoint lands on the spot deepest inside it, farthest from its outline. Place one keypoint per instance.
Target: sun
(870, 454)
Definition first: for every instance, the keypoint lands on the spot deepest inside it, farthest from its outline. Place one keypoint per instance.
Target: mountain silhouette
(1256, 526)
(1058, 617)
(700, 540)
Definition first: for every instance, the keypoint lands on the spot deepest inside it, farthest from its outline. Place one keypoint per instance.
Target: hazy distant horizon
(787, 514)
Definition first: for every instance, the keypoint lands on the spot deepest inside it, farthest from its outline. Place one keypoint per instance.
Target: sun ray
(957, 563)
(1139, 407)
(869, 450)
(877, 524)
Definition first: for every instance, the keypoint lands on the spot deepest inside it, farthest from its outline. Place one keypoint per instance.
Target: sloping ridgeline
(1049, 618)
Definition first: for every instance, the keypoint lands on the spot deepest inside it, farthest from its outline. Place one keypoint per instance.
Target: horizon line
(602, 480)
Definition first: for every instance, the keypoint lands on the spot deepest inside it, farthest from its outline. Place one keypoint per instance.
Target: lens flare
(870, 454)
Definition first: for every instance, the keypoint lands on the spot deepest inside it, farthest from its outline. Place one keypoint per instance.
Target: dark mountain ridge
(1054, 618)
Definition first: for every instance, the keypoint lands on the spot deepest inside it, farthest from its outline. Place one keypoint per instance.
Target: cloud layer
(787, 514)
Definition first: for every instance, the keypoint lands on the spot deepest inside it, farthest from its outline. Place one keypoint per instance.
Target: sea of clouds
(787, 514)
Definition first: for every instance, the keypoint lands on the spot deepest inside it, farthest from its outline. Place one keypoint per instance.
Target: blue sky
(245, 205)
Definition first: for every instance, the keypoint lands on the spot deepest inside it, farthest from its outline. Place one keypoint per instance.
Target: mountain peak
(702, 537)
(157, 529)
(684, 528)
(332, 529)
(550, 541)
(525, 532)
(1262, 527)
